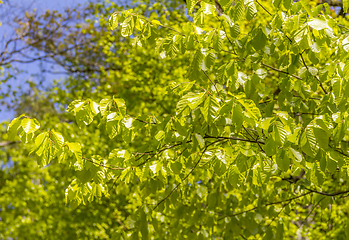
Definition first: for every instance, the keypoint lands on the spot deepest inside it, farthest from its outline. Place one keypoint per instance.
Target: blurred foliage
(210, 119)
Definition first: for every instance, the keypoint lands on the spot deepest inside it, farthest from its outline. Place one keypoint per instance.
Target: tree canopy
(219, 119)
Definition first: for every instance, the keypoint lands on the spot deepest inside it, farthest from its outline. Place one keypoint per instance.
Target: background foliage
(210, 119)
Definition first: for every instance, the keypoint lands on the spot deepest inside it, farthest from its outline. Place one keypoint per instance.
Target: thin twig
(102, 165)
(327, 194)
(192, 170)
(116, 179)
(273, 203)
(140, 120)
(305, 65)
(263, 8)
(152, 154)
(156, 153)
(283, 207)
(212, 83)
(164, 26)
(278, 70)
(236, 138)
(342, 26)
(312, 210)
(255, 139)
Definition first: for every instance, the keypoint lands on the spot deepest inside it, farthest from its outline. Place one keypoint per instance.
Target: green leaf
(219, 167)
(283, 161)
(94, 108)
(127, 27)
(14, 127)
(113, 124)
(105, 105)
(176, 167)
(192, 100)
(180, 129)
(259, 41)
(118, 156)
(202, 191)
(62, 155)
(210, 108)
(235, 30)
(296, 155)
(317, 24)
(191, 4)
(251, 10)
(75, 148)
(84, 111)
(279, 133)
(120, 103)
(266, 122)
(308, 142)
(287, 3)
(210, 60)
(228, 20)
(306, 6)
(321, 137)
(277, 3)
(30, 125)
(41, 143)
(160, 135)
(196, 64)
(57, 138)
(251, 108)
(345, 5)
(113, 20)
(217, 42)
(200, 140)
(180, 88)
(207, 8)
(238, 115)
(270, 147)
(239, 10)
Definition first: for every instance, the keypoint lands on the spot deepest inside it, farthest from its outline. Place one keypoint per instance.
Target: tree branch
(278, 70)
(269, 204)
(7, 143)
(236, 138)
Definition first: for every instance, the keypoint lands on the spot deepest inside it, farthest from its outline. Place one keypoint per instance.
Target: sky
(18, 8)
